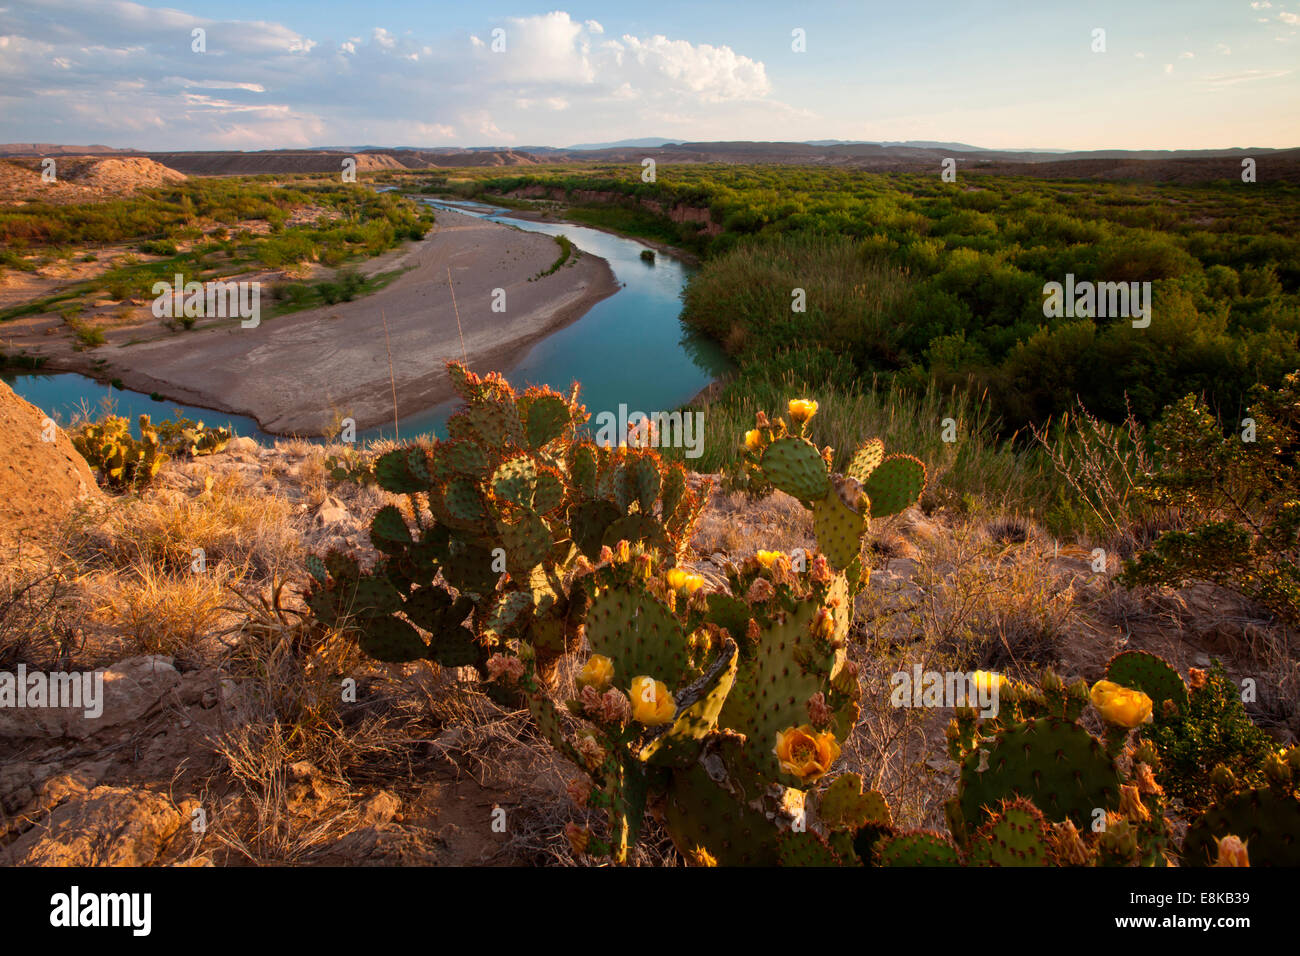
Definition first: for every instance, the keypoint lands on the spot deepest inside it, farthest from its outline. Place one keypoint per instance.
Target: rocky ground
(226, 740)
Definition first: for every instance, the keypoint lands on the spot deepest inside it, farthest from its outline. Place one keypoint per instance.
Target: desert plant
(503, 510)
(727, 704)
(120, 461)
(1240, 497)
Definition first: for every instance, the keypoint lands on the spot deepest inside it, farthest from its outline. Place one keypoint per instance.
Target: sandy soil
(296, 373)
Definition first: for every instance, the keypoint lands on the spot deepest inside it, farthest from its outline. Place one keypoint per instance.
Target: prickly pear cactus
(502, 511)
(1016, 835)
(120, 461)
(916, 848)
(874, 485)
(1266, 819)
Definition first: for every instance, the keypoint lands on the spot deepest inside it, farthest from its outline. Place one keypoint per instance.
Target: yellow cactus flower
(597, 673)
(1120, 705)
(805, 753)
(802, 409)
(986, 681)
(768, 558)
(753, 439)
(652, 704)
(680, 580)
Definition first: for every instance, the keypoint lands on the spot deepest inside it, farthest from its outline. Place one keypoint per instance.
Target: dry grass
(232, 523)
(160, 611)
(39, 611)
(293, 758)
(1104, 465)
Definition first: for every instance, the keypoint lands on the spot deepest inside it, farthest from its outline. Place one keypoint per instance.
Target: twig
(463, 353)
(391, 380)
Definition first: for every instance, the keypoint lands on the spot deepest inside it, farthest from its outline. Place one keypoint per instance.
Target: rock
(40, 480)
(332, 512)
(243, 446)
(131, 688)
(109, 826)
(914, 524)
(379, 809)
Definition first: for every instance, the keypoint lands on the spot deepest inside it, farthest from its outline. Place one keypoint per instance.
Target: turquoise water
(631, 348)
(66, 396)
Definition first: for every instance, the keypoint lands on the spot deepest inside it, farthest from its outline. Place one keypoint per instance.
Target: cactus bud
(1232, 852)
(1130, 804)
(1146, 780)
(1222, 779)
(823, 625)
(1277, 769)
(578, 837)
(643, 567)
(1069, 846)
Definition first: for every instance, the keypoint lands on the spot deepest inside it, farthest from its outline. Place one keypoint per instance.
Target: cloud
(1290, 18)
(1244, 76)
(110, 70)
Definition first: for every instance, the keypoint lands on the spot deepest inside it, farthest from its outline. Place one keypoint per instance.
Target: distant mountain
(1196, 165)
(649, 142)
(52, 149)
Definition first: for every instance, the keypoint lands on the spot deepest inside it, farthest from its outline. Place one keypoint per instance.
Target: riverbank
(300, 373)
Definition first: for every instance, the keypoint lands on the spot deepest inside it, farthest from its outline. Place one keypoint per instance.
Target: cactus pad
(796, 467)
(844, 805)
(1016, 836)
(639, 634)
(916, 848)
(866, 459)
(1151, 675)
(895, 484)
(1056, 764)
(839, 530)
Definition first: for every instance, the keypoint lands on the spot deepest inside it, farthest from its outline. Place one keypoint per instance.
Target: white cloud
(124, 74)
(1244, 76)
(1290, 18)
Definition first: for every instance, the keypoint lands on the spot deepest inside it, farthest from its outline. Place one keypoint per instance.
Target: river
(630, 349)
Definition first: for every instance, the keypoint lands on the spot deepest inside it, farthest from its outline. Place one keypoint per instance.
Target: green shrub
(1215, 730)
(1239, 498)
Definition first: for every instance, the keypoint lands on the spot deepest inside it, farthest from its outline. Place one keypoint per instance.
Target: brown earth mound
(39, 480)
(81, 178)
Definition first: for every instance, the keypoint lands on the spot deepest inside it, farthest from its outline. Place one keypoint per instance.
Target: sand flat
(295, 373)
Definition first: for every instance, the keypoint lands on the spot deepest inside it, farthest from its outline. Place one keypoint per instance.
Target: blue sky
(1182, 74)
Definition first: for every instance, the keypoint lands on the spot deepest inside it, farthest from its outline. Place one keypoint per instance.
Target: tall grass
(975, 470)
(764, 296)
